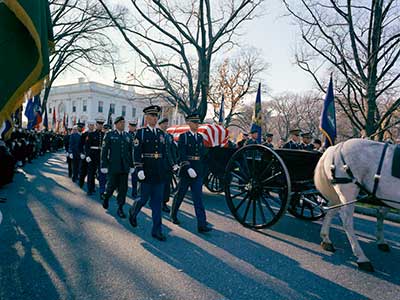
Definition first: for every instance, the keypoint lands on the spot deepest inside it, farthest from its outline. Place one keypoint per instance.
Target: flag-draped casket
(214, 135)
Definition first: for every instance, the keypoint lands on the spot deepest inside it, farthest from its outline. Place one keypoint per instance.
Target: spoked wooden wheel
(214, 183)
(257, 186)
(307, 207)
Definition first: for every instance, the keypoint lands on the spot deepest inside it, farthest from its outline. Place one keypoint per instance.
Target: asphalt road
(57, 243)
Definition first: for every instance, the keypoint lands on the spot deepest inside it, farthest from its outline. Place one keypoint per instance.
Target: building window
(73, 106)
(133, 112)
(123, 112)
(100, 107)
(84, 105)
(112, 108)
(49, 110)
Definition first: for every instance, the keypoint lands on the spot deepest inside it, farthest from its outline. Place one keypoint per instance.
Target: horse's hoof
(328, 247)
(366, 266)
(384, 247)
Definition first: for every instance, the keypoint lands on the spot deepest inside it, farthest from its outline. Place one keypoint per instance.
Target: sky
(273, 34)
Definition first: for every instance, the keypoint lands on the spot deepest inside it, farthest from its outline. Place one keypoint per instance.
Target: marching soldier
(117, 162)
(191, 154)
(268, 142)
(93, 144)
(150, 163)
(132, 132)
(253, 137)
(74, 151)
(83, 171)
(306, 144)
(293, 143)
(172, 160)
(103, 176)
(66, 146)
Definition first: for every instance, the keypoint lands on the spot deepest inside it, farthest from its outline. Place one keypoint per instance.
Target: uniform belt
(95, 147)
(193, 157)
(152, 155)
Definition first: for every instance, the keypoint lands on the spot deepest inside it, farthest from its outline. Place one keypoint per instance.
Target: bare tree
(80, 36)
(176, 42)
(234, 79)
(359, 41)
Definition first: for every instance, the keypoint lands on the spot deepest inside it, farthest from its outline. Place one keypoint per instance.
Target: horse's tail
(322, 181)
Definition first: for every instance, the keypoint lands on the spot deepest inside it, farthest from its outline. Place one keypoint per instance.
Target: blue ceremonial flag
(257, 118)
(328, 117)
(37, 111)
(222, 111)
(45, 120)
(30, 113)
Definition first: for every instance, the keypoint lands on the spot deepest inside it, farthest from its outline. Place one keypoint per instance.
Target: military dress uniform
(291, 145)
(134, 179)
(308, 147)
(251, 142)
(83, 169)
(74, 151)
(116, 157)
(191, 154)
(69, 160)
(93, 146)
(150, 161)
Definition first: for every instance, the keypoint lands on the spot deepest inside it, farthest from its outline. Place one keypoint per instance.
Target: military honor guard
(293, 142)
(117, 163)
(134, 180)
(74, 151)
(268, 142)
(306, 139)
(151, 167)
(83, 170)
(191, 154)
(93, 145)
(243, 141)
(171, 159)
(66, 147)
(253, 137)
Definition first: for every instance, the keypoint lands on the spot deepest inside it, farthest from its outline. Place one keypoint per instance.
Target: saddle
(396, 162)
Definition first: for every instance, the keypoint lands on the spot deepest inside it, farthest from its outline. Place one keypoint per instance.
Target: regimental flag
(26, 35)
(37, 110)
(221, 115)
(143, 123)
(17, 118)
(45, 120)
(328, 117)
(6, 129)
(29, 113)
(54, 121)
(257, 118)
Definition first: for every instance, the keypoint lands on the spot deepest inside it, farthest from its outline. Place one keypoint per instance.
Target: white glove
(104, 170)
(141, 175)
(192, 173)
(88, 159)
(71, 156)
(82, 156)
(131, 170)
(175, 168)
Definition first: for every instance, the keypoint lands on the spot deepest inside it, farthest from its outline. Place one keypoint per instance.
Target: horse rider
(306, 139)
(151, 166)
(293, 142)
(268, 142)
(93, 144)
(117, 162)
(191, 154)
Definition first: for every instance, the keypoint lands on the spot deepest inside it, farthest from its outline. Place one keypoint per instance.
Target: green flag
(26, 35)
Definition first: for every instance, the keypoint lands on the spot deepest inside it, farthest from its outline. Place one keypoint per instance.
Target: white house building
(85, 101)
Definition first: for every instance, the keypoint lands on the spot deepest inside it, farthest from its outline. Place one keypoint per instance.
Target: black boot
(132, 216)
(120, 212)
(105, 200)
(174, 213)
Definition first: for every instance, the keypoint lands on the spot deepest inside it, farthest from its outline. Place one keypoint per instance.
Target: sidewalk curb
(372, 212)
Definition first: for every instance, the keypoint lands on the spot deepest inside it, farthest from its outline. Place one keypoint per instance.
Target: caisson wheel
(214, 183)
(307, 207)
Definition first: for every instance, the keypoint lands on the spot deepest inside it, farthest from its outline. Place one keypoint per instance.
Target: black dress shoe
(120, 213)
(165, 208)
(159, 236)
(105, 200)
(132, 218)
(204, 229)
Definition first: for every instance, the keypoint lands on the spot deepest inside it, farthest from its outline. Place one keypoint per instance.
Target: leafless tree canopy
(80, 35)
(176, 41)
(359, 41)
(234, 79)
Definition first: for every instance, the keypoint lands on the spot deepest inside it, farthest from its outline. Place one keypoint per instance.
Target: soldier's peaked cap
(100, 121)
(194, 117)
(163, 120)
(80, 124)
(306, 134)
(119, 119)
(152, 110)
(268, 134)
(294, 131)
(133, 123)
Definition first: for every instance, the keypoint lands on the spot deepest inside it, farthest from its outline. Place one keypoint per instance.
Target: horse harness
(352, 179)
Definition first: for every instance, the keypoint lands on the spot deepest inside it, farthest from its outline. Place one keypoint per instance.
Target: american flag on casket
(214, 135)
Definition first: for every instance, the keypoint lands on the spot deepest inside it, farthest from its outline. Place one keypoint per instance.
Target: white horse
(362, 158)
